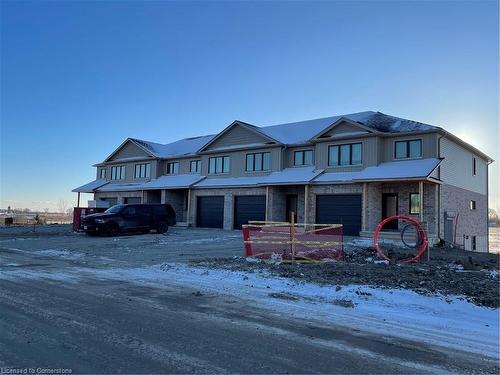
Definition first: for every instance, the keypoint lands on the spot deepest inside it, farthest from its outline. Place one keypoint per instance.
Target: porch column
(267, 203)
(143, 200)
(306, 200)
(421, 199)
(188, 207)
(78, 200)
(163, 196)
(364, 207)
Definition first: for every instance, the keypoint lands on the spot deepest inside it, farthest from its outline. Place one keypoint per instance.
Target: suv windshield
(115, 209)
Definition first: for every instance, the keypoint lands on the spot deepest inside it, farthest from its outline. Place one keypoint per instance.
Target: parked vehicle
(130, 218)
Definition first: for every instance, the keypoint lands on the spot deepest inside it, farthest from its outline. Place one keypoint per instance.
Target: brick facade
(456, 202)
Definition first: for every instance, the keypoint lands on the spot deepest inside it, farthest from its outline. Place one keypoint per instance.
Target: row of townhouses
(354, 169)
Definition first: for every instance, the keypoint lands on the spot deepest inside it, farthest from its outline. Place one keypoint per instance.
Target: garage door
(340, 209)
(246, 208)
(210, 212)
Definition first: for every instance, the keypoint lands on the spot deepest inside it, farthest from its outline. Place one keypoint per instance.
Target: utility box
(80, 212)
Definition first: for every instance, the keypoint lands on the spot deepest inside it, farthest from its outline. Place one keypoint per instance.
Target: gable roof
(250, 127)
(294, 133)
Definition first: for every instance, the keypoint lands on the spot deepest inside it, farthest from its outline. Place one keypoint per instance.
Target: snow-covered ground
(438, 320)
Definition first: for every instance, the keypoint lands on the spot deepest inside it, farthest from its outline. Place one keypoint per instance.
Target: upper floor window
(118, 172)
(219, 164)
(474, 165)
(304, 157)
(142, 170)
(349, 154)
(472, 205)
(260, 161)
(195, 166)
(102, 173)
(173, 168)
(408, 149)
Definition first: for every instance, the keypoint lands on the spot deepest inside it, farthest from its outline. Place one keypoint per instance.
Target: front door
(291, 206)
(390, 208)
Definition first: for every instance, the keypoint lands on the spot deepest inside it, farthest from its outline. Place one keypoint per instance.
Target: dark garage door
(246, 208)
(210, 212)
(340, 209)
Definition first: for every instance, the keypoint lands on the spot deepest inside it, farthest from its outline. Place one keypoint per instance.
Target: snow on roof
(303, 131)
(405, 169)
(294, 175)
(90, 187)
(179, 181)
(173, 182)
(400, 169)
(183, 147)
(228, 182)
(291, 133)
(121, 187)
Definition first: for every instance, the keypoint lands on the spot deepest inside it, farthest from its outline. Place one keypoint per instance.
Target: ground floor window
(473, 242)
(414, 203)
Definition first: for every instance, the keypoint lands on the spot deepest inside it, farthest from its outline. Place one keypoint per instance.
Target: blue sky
(77, 78)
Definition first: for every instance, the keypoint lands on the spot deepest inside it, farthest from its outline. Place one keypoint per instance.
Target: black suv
(130, 218)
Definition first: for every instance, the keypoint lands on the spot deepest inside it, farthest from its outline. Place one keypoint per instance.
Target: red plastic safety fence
(282, 241)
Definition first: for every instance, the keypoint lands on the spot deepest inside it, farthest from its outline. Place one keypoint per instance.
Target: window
(218, 165)
(349, 154)
(473, 243)
(472, 205)
(102, 173)
(118, 172)
(474, 166)
(173, 168)
(408, 149)
(195, 166)
(260, 161)
(414, 203)
(304, 157)
(142, 170)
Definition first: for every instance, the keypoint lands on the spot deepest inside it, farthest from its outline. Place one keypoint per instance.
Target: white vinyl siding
(457, 167)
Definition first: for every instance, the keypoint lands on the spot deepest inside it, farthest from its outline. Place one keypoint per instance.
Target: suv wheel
(162, 227)
(112, 229)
